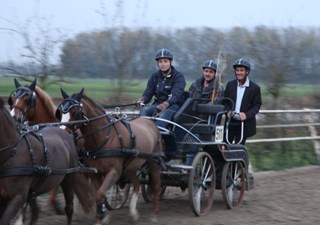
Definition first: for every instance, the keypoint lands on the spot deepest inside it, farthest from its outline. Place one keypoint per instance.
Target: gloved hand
(163, 106)
(140, 101)
(230, 114)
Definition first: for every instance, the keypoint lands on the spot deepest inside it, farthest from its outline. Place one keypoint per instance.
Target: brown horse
(115, 148)
(34, 161)
(31, 104)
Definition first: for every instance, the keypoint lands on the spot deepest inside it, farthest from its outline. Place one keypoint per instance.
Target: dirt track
(284, 197)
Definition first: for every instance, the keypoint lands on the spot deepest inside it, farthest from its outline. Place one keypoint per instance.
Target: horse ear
(79, 95)
(16, 83)
(64, 94)
(33, 85)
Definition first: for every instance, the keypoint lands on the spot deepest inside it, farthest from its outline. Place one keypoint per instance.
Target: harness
(34, 169)
(128, 151)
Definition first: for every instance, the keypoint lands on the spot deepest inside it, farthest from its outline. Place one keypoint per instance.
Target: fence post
(313, 133)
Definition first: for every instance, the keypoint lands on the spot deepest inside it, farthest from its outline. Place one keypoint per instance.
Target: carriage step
(180, 166)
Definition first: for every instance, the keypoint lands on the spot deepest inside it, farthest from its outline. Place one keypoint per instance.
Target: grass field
(100, 89)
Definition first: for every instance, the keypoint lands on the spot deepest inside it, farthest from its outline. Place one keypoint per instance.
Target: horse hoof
(59, 209)
(104, 221)
(135, 216)
(153, 219)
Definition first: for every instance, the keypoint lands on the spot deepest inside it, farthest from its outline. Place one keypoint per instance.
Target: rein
(117, 106)
(40, 170)
(14, 146)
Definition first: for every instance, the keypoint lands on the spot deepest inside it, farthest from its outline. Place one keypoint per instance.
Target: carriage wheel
(233, 184)
(146, 191)
(117, 196)
(202, 184)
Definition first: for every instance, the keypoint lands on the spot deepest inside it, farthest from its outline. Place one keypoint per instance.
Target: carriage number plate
(219, 134)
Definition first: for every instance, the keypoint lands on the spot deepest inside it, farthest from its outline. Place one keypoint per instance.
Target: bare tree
(37, 53)
(123, 44)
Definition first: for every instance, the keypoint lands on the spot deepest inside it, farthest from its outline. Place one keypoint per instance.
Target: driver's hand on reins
(163, 106)
(140, 102)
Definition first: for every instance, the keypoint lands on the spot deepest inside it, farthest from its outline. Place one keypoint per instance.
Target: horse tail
(84, 191)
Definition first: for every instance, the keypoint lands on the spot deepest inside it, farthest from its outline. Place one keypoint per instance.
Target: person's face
(164, 64)
(208, 74)
(241, 73)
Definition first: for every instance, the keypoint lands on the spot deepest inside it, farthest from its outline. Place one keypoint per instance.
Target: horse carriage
(195, 155)
(133, 152)
(198, 158)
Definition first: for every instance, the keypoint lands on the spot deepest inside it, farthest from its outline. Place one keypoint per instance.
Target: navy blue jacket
(169, 88)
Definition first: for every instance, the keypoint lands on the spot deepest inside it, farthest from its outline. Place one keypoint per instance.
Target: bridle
(69, 103)
(18, 94)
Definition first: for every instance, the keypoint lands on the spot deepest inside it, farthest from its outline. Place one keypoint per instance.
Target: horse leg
(84, 192)
(13, 207)
(154, 172)
(67, 186)
(102, 213)
(22, 215)
(34, 211)
(53, 201)
(135, 194)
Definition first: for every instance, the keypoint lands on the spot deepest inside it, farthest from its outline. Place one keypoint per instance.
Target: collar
(168, 73)
(246, 83)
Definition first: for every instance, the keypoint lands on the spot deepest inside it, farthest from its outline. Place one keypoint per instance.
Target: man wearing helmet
(246, 97)
(167, 86)
(207, 84)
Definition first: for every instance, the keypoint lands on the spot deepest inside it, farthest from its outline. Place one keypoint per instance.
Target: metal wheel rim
(233, 184)
(202, 182)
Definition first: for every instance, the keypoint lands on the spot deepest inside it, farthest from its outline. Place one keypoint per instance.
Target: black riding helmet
(163, 54)
(211, 64)
(242, 62)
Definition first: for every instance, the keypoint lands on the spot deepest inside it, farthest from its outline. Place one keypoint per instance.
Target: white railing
(310, 124)
(311, 117)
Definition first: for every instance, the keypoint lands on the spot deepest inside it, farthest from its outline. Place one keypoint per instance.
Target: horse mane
(46, 101)
(4, 109)
(86, 98)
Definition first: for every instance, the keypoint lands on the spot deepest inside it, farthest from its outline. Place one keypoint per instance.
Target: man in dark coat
(167, 86)
(246, 102)
(207, 84)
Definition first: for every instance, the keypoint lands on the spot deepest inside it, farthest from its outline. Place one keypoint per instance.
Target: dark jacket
(250, 104)
(196, 90)
(169, 88)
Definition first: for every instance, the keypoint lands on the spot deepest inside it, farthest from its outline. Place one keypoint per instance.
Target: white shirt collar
(246, 84)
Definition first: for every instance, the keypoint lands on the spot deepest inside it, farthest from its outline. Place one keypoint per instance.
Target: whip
(218, 72)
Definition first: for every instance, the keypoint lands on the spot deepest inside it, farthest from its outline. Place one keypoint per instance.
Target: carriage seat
(191, 109)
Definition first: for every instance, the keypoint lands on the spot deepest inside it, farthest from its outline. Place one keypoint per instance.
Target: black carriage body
(195, 128)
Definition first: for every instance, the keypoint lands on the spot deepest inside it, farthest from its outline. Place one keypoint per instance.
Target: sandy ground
(283, 197)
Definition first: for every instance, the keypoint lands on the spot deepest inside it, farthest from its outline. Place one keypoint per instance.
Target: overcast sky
(74, 16)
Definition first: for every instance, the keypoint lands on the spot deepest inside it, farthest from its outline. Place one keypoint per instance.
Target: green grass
(96, 88)
(100, 89)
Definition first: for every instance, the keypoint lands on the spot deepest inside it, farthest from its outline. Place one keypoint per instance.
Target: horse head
(22, 100)
(70, 109)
